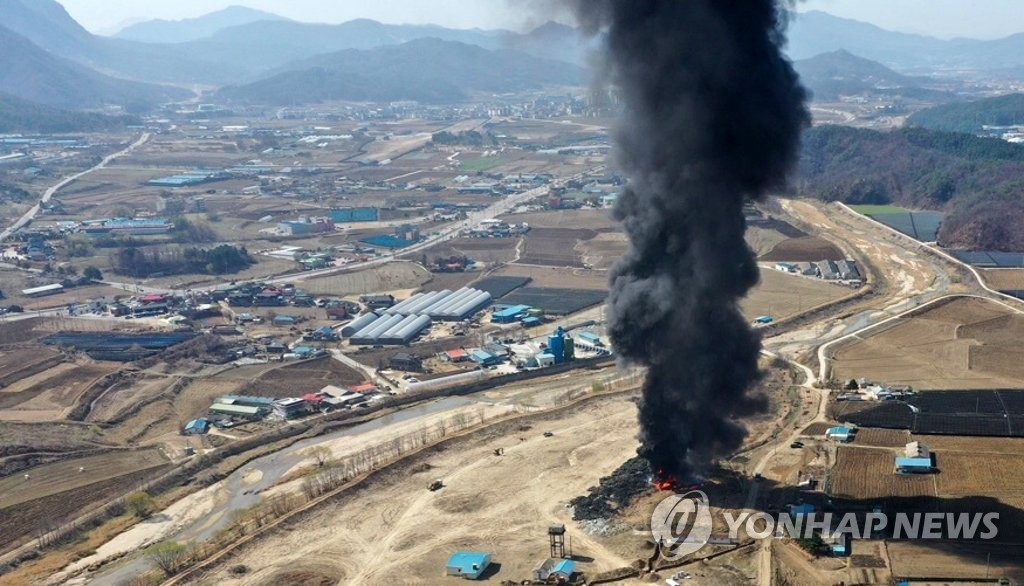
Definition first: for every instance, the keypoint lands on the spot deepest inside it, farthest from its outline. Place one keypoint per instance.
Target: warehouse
(509, 314)
(913, 465)
(468, 564)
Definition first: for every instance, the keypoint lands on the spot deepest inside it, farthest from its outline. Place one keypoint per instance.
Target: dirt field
(589, 219)
(54, 491)
(1003, 279)
(955, 560)
(781, 295)
(603, 250)
(963, 344)
(867, 473)
(882, 438)
(376, 536)
(803, 249)
(50, 394)
(396, 276)
(486, 250)
(558, 277)
(557, 247)
(125, 395)
(307, 377)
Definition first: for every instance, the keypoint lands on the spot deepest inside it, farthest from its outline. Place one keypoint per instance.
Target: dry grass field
(487, 250)
(603, 250)
(1003, 279)
(959, 561)
(965, 343)
(584, 219)
(782, 295)
(882, 438)
(867, 473)
(395, 276)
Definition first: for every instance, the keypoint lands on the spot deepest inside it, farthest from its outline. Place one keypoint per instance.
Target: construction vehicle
(436, 485)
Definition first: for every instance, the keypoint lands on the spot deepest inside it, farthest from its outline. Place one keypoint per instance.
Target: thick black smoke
(713, 118)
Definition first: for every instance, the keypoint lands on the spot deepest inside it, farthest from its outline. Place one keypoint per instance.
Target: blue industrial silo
(556, 345)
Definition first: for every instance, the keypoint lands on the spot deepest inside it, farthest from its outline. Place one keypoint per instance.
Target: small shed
(554, 568)
(840, 434)
(284, 320)
(457, 355)
(468, 564)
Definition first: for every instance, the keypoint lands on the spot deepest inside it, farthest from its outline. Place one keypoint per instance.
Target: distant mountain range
(30, 73)
(191, 29)
(427, 70)
(972, 116)
(812, 33)
(841, 73)
(18, 115)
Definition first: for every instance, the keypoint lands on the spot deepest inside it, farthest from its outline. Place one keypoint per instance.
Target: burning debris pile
(713, 113)
(614, 492)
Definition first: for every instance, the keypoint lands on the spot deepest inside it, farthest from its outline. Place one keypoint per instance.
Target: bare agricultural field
(589, 219)
(18, 363)
(965, 343)
(450, 281)
(52, 393)
(782, 295)
(306, 377)
(882, 438)
(604, 250)
(961, 561)
(548, 277)
(555, 246)
(803, 249)
(1003, 279)
(126, 394)
(395, 276)
(868, 473)
(487, 250)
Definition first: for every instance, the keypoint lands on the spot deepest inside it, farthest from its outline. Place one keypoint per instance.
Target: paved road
(48, 194)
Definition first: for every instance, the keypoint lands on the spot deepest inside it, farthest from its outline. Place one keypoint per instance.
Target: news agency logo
(681, 524)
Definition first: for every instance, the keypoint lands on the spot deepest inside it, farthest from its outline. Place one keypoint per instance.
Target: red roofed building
(153, 298)
(364, 388)
(313, 399)
(457, 355)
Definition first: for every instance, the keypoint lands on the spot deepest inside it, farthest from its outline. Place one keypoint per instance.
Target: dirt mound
(803, 249)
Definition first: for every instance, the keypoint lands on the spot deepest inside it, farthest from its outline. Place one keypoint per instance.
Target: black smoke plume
(713, 116)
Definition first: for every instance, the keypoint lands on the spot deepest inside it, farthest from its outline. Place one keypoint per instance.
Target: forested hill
(977, 181)
(972, 116)
(18, 115)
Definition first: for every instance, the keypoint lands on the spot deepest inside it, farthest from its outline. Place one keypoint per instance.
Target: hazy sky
(943, 18)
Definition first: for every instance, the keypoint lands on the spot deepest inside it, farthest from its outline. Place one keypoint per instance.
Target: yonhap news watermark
(684, 523)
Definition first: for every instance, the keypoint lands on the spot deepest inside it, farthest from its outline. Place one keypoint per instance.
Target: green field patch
(872, 209)
(481, 164)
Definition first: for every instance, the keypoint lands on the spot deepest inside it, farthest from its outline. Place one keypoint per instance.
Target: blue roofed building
(554, 568)
(197, 427)
(913, 465)
(353, 215)
(468, 564)
(485, 358)
(509, 314)
(840, 434)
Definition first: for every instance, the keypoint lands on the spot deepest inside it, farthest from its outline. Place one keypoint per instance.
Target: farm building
(913, 465)
(509, 314)
(353, 215)
(377, 301)
(241, 411)
(358, 323)
(544, 360)
(468, 564)
(284, 320)
(840, 434)
(917, 450)
(391, 329)
(407, 362)
(590, 338)
(786, 267)
(197, 427)
(44, 290)
(457, 355)
(290, 408)
(485, 358)
(556, 569)
(444, 304)
(531, 322)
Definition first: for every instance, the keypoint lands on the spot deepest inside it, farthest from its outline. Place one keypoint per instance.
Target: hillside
(972, 116)
(427, 70)
(841, 73)
(30, 73)
(812, 33)
(191, 29)
(977, 181)
(46, 24)
(18, 115)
